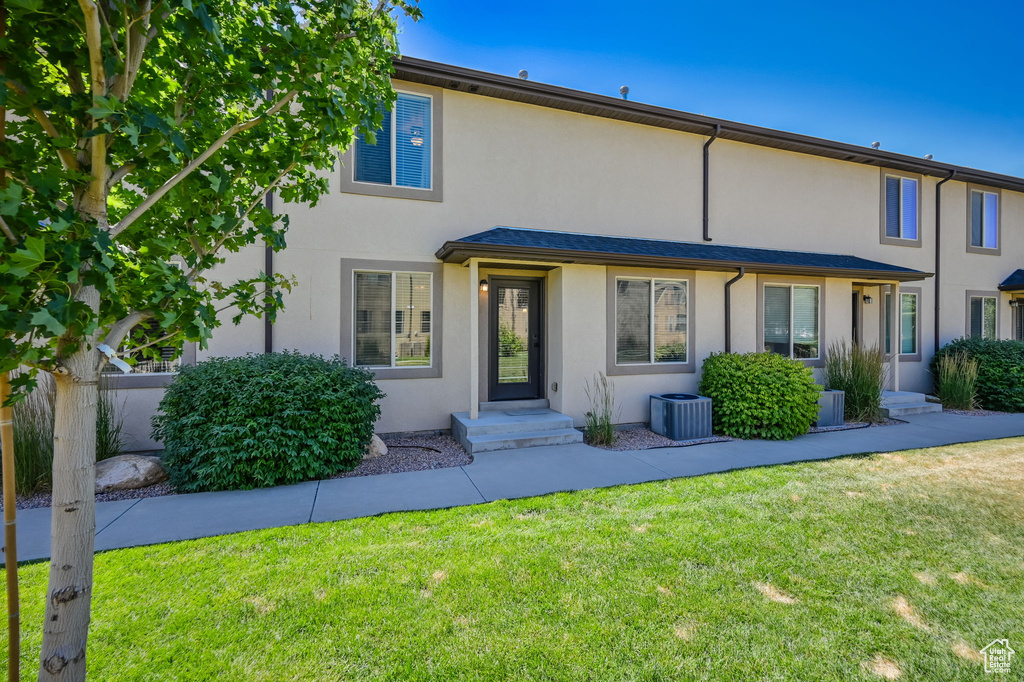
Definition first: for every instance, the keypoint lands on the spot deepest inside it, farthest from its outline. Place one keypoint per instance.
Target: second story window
(984, 219)
(900, 210)
(401, 156)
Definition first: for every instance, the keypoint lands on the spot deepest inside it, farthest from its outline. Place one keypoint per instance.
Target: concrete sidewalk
(506, 474)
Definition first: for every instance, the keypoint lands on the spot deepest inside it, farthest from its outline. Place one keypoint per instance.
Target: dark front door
(856, 318)
(516, 338)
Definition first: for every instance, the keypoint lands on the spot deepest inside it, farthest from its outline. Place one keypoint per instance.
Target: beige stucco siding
(513, 164)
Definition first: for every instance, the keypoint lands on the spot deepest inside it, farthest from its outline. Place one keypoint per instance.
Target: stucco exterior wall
(513, 164)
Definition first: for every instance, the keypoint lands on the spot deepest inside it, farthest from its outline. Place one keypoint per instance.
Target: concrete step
(505, 405)
(508, 421)
(900, 397)
(527, 439)
(898, 410)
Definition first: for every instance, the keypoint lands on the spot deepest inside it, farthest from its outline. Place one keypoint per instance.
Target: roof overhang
(460, 251)
(542, 94)
(1014, 283)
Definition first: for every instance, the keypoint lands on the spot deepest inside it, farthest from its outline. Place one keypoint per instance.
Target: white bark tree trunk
(72, 538)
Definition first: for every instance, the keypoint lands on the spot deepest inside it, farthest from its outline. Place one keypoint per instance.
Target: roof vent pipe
(523, 74)
(728, 308)
(876, 145)
(707, 163)
(624, 91)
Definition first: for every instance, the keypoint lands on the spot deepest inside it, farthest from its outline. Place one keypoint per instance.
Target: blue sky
(941, 78)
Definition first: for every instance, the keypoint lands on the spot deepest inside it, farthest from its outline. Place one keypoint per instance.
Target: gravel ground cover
(973, 413)
(645, 439)
(413, 453)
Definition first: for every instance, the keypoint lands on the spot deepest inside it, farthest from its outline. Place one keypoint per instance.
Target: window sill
(386, 373)
(652, 368)
(985, 250)
(901, 241)
(129, 381)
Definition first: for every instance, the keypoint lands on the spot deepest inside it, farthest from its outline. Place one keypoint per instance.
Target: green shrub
(956, 380)
(263, 420)
(1000, 383)
(860, 373)
(759, 395)
(599, 422)
(33, 438)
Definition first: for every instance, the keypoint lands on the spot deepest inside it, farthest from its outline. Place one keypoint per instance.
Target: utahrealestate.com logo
(997, 656)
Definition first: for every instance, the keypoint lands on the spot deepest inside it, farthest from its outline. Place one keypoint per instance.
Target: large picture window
(791, 320)
(651, 321)
(392, 319)
(400, 155)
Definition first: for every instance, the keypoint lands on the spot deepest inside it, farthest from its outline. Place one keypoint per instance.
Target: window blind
(776, 320)
(412, 141)
(373, 161)
(892, 206)
(909, 208)
(805, 322)
(373, 310)
(632, 321)
(977, 234)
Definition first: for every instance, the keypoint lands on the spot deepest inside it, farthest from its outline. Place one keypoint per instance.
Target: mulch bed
(413, 453)
(43, 499)
(645, 439)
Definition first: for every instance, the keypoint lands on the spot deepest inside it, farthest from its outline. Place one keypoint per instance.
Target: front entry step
(517, 428)
(896, 404)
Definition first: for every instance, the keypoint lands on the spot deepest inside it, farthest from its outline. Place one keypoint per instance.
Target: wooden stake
(10, 532)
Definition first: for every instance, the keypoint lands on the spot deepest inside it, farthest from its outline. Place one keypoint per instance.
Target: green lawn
(908, 563)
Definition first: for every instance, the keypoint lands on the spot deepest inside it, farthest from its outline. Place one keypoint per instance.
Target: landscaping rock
(377, 448)
(128, 472)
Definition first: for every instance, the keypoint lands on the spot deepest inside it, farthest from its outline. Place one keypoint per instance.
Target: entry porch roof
(517, 243)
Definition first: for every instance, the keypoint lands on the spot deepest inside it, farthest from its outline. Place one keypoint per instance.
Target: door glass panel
(513, 335)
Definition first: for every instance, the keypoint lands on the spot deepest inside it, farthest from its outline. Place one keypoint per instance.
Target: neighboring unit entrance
(516, 338)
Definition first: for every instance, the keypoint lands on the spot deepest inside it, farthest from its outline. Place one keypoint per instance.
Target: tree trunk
(72, 537)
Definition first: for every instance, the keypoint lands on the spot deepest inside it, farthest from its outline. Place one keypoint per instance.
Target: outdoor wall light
(483, 286)
(868, 300)
(1017, 303)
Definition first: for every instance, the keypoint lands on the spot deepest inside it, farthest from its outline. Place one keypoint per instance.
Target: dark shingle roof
(570, 247)
(1014, 282)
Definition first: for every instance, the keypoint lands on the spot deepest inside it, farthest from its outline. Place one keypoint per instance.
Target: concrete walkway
(493, 475)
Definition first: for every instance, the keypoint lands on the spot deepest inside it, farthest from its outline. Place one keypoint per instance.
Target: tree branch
(119, 174)
(121, 328)
(97, 74)
(5, 228)
(149, 201)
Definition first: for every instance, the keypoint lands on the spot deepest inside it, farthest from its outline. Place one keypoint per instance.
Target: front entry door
(516, 338)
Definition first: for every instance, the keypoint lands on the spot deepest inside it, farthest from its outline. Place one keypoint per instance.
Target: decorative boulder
(128, 472)
(376, 448)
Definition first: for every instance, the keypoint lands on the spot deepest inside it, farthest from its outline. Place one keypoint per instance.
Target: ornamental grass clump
(759, 395)
(956, 380)
(599, 421)
(1000, 382)
(264, 420)
(860, 373)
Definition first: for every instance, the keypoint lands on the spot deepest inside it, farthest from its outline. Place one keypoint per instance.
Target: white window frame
(817, 315)
(394, 151)
(394, 308)
(970, 220)
(899, 208)
(654, 322)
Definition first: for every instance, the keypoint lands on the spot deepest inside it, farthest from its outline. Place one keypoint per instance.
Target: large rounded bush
(759, 395)
(1000, 383)
(263, 420)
